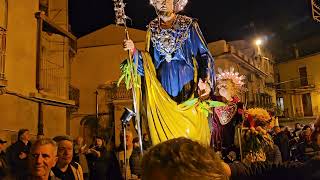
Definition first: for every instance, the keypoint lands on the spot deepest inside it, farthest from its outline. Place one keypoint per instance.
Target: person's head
(282, 127)
(2, 144)
(297, 126)
(65, 149)
(272, 113)
(145, 137)
(307, 130)
(316, 138)
(135, 142)
(180, 159)
(276, 129)
(305, 136)
(98, 141)
(317, 124)
(23, 135)
(129, 138)
(286, 129)
(42, 157)
(79, 140)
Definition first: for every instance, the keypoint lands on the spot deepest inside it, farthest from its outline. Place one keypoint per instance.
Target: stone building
(258, 69)
(298, 91)
(36, 50)
(95, 71)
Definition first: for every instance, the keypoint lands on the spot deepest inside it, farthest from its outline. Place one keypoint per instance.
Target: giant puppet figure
(177, 66)
(230, 86)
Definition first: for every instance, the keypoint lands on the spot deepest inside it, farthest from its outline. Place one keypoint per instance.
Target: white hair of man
(45, 141)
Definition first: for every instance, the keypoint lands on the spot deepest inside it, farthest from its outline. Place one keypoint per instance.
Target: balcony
(303, 83)
(114, 93)
(55, 48)
(246, 57)
(298, 84)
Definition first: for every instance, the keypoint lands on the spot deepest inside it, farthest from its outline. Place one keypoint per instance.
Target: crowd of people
(300, 144)
(64, 158)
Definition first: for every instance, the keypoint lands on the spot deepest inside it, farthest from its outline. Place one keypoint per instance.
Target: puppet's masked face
(164, 7)
(227, 89)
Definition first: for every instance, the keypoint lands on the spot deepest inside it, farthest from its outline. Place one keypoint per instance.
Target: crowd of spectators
(295, 154)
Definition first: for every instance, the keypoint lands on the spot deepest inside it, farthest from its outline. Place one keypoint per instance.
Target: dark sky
(282, 22)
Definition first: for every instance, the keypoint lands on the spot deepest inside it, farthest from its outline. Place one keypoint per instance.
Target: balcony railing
(259, 64)
(298, 83)
(55, 48)
(116, 93)
(303, 82)
(315, 9)
(54, 65)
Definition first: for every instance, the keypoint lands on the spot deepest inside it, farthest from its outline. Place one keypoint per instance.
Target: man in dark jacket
(282, 141)
(3, 161)
(65, 169)
(135, 158)
(17, 154)
(103, 164)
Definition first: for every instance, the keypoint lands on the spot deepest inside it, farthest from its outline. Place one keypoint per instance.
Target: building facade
(258, 69)
(36, 50)
(95, 72)
(298, 93)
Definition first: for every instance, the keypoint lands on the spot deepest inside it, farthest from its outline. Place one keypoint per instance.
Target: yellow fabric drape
(166, 118)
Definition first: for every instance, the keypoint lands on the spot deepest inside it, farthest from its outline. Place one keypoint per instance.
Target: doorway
(307, 104)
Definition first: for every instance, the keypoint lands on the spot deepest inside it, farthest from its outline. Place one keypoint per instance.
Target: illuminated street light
(258, 42)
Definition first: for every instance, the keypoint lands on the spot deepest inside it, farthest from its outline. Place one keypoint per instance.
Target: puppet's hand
(204, 88)
(128, 45)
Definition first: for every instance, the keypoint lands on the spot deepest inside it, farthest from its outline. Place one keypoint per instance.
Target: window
(303, 76)
(3, 32)
(280, 103)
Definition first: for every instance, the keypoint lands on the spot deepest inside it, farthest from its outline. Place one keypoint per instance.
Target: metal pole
(40, 120)
(125, 151)
(240, 143)
(134, 97)
(121, 20)
(97, 111)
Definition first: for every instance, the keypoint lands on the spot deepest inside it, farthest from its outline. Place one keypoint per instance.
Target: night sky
(282, 22)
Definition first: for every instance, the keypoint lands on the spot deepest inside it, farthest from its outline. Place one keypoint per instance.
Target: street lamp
(258, 42)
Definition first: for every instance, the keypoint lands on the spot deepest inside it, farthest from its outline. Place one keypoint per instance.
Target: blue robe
(179, 72)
